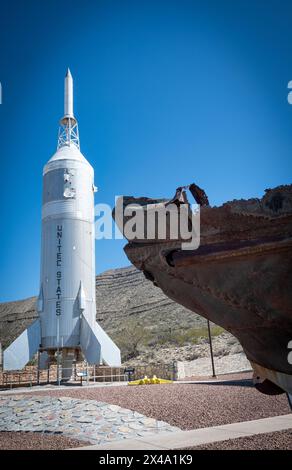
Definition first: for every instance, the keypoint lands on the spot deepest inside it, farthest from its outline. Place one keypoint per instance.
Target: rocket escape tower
(68, 129)
(66, 326)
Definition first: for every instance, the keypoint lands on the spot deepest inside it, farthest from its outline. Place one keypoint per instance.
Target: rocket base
(95, 345)
(67, 358)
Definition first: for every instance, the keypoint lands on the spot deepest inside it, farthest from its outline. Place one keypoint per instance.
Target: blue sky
(166, 93)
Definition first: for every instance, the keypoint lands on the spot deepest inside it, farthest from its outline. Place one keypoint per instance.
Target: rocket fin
(22, 350)
(81, 298)
(97, 346)
(40, 301)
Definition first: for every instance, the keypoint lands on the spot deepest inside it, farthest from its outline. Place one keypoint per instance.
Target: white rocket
(66, 303)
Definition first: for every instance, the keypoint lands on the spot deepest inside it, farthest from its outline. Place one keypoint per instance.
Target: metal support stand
(58, 350)
(58, 367)
(211, 349)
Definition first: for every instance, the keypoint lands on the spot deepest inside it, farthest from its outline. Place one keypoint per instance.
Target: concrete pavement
(196, 437)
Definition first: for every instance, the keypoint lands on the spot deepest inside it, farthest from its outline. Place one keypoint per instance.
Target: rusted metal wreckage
(240, 277)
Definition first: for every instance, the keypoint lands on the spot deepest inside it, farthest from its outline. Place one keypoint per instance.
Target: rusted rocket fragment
(240, 277)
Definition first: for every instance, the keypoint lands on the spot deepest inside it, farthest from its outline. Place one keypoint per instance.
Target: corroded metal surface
(240, 277)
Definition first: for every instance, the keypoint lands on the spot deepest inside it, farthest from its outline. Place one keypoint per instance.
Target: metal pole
(174, 367)
(87, 378)
(38, 370)
(211, 349)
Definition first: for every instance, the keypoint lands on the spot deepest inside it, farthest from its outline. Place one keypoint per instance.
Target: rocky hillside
(146, 324)
(124, 295)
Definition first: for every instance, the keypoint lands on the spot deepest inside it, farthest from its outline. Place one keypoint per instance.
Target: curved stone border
(88, 420)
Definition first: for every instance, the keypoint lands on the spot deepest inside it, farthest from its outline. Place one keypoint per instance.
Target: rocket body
(68, 248)
(66, 303)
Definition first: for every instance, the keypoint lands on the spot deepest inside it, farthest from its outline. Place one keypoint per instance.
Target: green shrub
(180, 337)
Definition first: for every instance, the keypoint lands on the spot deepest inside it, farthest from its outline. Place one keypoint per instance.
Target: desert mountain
(146, 324)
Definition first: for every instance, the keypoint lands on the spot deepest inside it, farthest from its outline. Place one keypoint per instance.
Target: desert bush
(180, 337)
(131, 338)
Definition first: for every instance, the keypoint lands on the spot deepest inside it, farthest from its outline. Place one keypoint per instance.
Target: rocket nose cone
(68, 74)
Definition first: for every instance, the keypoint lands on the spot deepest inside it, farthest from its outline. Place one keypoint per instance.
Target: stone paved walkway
(197, 437)
(88, 420)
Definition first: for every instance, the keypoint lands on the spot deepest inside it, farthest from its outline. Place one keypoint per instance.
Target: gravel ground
(188, 406)
(35, 441)
(280, 440)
